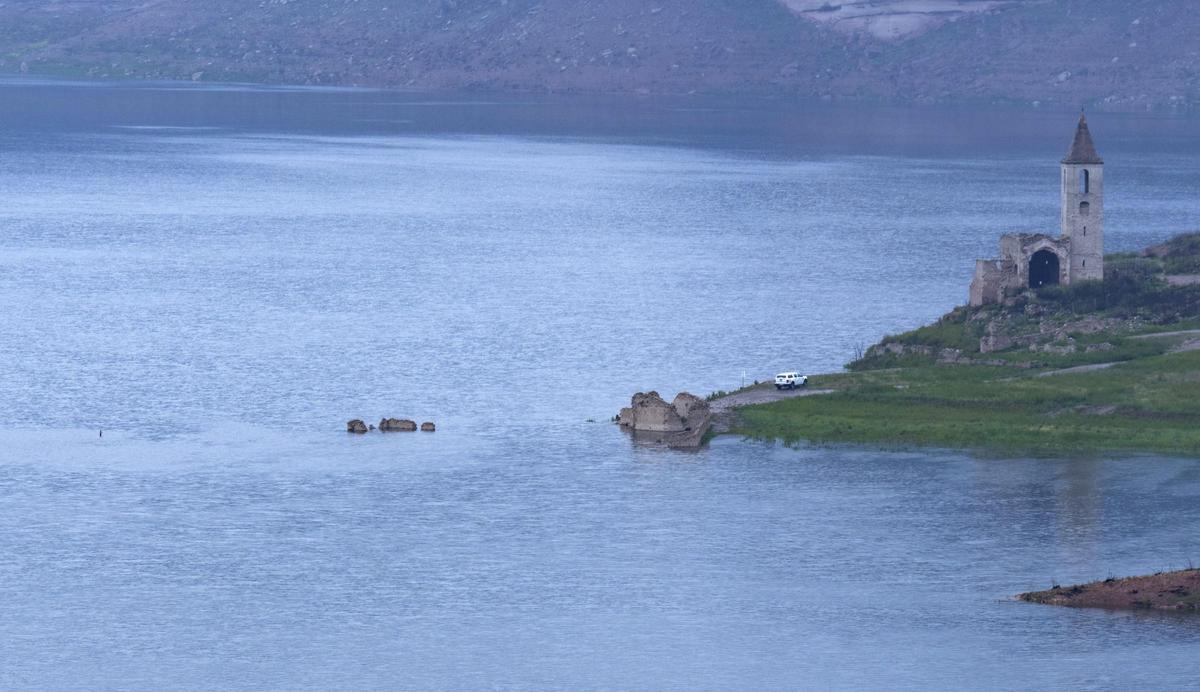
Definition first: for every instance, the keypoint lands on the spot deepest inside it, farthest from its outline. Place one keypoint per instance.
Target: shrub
(1132, 267)
(954, 330)
(1183, 254)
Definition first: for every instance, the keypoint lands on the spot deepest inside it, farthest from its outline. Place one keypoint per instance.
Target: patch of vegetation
(1131, 293)
(956, 330)
(1135, 285)
(1120, 349)
(1042, 328)
(952, 331)
(934, 386)
(1147, 405)
(890, 361)
(1183, 254)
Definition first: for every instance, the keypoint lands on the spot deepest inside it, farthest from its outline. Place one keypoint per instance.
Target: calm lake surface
(220, 277)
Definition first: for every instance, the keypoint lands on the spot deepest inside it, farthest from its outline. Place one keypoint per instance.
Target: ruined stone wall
(991, 279)
(680, 424)
(1079, 249)
(1031, 245)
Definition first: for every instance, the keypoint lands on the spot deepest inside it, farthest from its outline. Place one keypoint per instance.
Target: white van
(790, 380)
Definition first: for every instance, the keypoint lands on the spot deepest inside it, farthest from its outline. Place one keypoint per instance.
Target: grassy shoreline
(1093, 367)
(1149, 403)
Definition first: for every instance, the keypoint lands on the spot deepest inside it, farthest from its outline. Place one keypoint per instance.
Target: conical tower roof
(1083, 149)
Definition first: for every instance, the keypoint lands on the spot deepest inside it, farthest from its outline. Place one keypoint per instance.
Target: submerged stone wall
(680, 424)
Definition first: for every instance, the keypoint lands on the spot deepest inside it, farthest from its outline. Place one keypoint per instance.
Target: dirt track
(760, 395)
(723, 408)
(1188, 345)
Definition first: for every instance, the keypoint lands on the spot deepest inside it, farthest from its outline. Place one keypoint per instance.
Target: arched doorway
(1043, 269)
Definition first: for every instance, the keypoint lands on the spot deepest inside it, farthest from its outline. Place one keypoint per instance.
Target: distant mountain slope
(894, 19)
(1115, 53)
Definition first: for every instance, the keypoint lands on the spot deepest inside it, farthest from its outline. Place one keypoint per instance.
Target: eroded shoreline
(1175, 591)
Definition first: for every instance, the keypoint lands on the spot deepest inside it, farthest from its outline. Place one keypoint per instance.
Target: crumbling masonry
(1035, 260)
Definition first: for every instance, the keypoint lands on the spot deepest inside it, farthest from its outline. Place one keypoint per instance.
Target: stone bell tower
(1083, 206)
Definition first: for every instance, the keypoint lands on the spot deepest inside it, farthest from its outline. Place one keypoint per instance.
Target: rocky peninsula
(1097, 366)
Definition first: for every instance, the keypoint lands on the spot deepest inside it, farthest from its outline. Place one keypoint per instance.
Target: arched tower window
(1085, 182)
(1085, 208)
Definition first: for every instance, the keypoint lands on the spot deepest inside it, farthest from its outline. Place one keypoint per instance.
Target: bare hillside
(1107, 53)
(894, 19)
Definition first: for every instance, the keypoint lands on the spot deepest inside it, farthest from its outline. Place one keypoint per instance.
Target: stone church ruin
(1034, 260)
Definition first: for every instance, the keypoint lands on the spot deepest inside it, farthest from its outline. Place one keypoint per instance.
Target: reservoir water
(219, 277)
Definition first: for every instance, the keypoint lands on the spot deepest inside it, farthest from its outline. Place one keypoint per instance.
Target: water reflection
(1080, 509)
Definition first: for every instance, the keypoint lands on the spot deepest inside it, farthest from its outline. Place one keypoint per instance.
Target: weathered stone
(1034, 260)
(876, 351)
(895, 348)
(991, 343)
(649, 413)
(680, 424)
(690, 408)
(1093, 325)
(397, 425)
(991, 278)
(951, 356)
(1061, 348)
(428, 427)
(357, 427)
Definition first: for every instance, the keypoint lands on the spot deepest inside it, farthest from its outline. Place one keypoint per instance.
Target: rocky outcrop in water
(397, 425)
(358, 427)
(679, 424)
(648, 412)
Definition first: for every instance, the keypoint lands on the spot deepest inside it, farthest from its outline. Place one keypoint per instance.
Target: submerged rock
(357, 427)
(428, 427)
(397, 425)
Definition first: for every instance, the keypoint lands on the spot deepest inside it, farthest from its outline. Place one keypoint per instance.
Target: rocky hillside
(1096, 367)
(1103, 53)
(1156, 291)
(894, 19)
